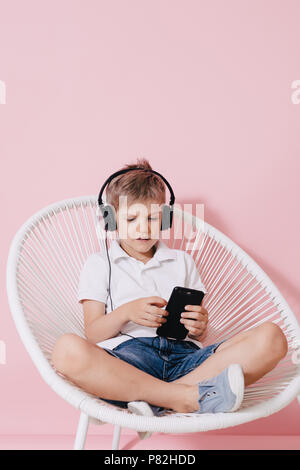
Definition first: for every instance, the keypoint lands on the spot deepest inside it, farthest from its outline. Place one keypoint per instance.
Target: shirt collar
(163, 252)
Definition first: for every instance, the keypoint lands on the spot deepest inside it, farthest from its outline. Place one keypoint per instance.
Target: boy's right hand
(146, 311)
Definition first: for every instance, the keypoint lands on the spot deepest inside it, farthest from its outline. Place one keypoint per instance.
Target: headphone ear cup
(167, 217)
(110, 223)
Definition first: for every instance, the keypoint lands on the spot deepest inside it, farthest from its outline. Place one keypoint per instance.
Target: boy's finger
(193, 323)
(149, 323)
(161, 311)
(189, 314)
(158, 300)
(156, 311)
(195, 308)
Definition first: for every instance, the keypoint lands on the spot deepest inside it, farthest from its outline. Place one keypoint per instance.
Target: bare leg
(257, 350)
(96, 371)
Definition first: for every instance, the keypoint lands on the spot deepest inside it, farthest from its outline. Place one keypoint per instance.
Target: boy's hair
(137, 185)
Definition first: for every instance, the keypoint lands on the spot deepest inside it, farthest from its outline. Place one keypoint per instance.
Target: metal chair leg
(116, 437)
(81, 431)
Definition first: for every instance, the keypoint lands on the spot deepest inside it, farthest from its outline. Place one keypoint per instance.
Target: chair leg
(81, 431)
(116, 437)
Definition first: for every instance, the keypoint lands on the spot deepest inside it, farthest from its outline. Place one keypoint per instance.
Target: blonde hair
(136, 185)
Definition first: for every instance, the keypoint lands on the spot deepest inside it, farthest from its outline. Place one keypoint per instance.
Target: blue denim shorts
(164, 358)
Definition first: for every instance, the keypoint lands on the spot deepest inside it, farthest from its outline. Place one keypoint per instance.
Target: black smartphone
(180, 297)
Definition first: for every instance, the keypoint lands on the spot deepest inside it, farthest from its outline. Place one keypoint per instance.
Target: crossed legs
(96, 371)
(99, 373)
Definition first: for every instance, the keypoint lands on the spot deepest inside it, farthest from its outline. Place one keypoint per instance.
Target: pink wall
(200, 88)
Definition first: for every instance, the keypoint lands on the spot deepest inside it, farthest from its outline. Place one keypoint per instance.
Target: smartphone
(180, 297)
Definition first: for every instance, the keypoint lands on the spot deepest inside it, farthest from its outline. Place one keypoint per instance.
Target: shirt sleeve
(193, 279)
(93, 281)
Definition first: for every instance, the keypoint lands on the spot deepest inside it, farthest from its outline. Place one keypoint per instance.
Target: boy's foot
(145, 409)
(223, 393)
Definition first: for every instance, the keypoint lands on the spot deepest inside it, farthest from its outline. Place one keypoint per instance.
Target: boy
(179, 375)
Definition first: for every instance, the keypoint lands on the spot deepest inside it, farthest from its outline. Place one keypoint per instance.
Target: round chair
(44, 263)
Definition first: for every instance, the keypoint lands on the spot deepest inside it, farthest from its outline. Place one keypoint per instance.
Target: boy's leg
(257, 350)
(99, 373)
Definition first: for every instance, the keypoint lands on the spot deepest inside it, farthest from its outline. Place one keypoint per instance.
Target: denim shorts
(164, 358)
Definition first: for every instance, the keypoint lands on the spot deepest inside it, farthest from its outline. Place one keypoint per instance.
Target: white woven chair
(43, 267)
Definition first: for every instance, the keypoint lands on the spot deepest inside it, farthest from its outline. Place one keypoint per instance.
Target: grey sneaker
(223, 393)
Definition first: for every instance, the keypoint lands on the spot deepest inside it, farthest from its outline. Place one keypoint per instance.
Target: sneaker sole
(141, 408)
(237, 384)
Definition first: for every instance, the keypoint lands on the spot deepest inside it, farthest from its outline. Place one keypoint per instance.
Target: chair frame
(93, 409)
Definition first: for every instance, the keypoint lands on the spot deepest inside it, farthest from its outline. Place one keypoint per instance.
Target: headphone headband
(114, 175)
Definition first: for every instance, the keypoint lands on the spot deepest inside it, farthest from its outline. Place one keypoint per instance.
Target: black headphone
(107, 210)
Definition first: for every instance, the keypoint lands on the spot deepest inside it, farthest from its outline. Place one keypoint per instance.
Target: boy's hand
(146, 311)
(198, 323)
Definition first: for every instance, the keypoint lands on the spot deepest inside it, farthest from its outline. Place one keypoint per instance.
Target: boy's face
(138, 224)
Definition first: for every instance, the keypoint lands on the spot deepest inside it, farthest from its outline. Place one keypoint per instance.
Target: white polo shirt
(132, 279)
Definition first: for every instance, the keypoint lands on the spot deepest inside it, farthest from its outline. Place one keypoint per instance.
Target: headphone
(107, 210)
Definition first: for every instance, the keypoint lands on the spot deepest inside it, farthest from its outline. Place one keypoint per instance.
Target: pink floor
(156, 441)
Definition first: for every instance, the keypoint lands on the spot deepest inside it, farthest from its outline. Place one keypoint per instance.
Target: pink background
(200, 88)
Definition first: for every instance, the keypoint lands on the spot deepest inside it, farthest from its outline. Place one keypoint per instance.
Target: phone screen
(180, 297)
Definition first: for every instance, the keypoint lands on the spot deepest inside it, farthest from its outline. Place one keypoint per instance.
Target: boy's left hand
(199, 319)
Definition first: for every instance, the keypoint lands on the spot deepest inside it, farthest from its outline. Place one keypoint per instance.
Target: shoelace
(205, 391)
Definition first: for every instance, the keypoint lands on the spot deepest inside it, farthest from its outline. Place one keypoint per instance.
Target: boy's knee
(68, 353)
(273, 340)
